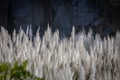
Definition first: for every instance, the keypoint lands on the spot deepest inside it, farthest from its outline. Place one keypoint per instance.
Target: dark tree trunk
(4, 5)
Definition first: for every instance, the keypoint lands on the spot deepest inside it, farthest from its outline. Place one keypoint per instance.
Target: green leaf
(24, 64)
(15, 66)
(1, 77)
(4, 67)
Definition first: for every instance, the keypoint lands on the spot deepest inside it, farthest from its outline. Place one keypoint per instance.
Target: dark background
(101, 15)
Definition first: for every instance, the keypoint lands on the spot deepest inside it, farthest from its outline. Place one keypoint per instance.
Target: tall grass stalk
(80, 57)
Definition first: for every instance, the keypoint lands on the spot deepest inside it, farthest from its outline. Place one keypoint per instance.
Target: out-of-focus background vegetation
(102, 15)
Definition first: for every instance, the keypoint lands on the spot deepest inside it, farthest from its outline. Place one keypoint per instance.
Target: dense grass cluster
(80, 57)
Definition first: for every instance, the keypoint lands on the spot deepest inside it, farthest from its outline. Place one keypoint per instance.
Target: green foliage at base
(16, 71)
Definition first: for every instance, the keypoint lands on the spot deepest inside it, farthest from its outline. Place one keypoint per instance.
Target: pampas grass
(80, 57)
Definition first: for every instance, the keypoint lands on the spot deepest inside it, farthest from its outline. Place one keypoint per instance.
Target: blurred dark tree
(4, 11)
(61, 14)
(112, 13)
